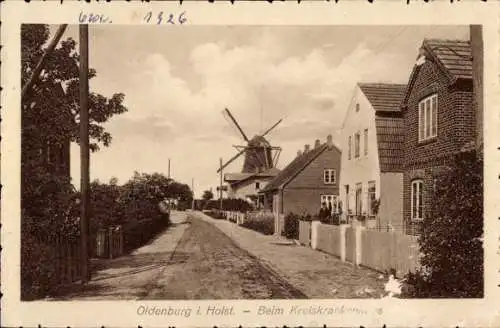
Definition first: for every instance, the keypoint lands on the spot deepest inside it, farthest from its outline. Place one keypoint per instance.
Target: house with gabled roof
(306, 182)
(439, 121)
(372, 139)
(247, 186)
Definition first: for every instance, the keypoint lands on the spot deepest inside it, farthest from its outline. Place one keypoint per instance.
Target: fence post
(110, 238)
(342, 241)
(121, 240)
(314, 233)
(358, 248)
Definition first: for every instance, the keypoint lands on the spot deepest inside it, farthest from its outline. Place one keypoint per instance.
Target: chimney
(306, 148)
(299, 153)
(329, 140)
(317, 143)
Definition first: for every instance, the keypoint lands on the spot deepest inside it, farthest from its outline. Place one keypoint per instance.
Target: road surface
(191, 260)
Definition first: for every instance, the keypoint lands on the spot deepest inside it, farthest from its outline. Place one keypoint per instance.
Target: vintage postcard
(315, 164)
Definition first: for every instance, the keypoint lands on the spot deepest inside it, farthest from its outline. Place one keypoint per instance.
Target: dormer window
(427, 118)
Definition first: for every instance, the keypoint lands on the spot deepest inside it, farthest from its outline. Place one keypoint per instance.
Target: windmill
(260, 156)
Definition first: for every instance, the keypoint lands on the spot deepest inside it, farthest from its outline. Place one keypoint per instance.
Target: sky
(178, 80)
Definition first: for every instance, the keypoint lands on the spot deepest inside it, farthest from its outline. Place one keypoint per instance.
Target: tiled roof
(295, 167)
(232, 177)
(455, 56)
(236, 178)
(384, 97)
(390, 139)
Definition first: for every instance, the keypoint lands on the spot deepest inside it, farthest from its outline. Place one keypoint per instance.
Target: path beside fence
(316, 274)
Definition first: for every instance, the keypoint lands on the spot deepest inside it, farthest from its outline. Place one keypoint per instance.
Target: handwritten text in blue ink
(92, 18)
(165, 18)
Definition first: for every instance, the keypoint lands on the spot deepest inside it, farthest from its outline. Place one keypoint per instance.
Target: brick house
(372, 143)
(439, 121)
(309, 180)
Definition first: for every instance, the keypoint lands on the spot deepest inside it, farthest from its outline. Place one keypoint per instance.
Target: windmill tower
(260, 155)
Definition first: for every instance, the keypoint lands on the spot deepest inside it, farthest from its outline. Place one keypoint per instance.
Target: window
(329, 176)
(427, 118)
(350, 148)
(359, 202)
(371, 197)
(330, 201)
(356, 144)
(417, 199)
(257, 185)
(365, 142)
(357, 107)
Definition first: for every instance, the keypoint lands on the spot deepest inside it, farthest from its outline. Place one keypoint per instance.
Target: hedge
(259, 222)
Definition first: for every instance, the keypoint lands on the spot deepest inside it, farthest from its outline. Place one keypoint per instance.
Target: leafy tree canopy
(50, 112)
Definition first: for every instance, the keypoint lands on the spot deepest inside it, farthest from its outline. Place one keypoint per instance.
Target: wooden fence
(109, 242)
(378, 250)
(305, 232)
(67, 266)
(386, 250)
(330, 239)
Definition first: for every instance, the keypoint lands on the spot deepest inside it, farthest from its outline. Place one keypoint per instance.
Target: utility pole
(84, 151)
(169, 168)
(220, 186)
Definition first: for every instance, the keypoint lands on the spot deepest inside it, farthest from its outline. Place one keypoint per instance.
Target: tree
(49, 119)
(47, 115)
(208, 195)
(452, 237)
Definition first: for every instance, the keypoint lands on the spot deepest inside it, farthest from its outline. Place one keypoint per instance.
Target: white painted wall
(248, 188)
(364, 168)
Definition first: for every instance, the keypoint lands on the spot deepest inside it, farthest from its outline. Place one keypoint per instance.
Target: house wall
(303, 193)
(455, 128)
(391, 200)
(365, 168)
(246, 188)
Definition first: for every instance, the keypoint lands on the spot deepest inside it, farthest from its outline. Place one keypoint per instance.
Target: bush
(228, 204)
(218, 215)
(136, 234)
(291, 229)
(260, 222)
(451, 239)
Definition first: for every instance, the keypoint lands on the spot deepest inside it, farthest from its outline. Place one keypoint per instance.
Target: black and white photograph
(251, 162)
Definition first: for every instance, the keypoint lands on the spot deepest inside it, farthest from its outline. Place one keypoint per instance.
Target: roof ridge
(446, 40)
(381, 84)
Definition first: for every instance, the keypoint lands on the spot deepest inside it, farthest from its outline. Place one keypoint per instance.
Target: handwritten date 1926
(165, 18)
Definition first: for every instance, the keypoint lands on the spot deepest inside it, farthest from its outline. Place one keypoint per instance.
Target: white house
(372, 139)
(247, 186)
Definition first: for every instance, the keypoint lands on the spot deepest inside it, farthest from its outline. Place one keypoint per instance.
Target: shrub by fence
(262, 222)
(138, 233)
(291, 229)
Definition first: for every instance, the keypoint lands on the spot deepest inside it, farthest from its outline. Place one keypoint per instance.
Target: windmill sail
(259, 155)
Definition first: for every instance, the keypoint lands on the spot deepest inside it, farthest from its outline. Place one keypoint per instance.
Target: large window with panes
(427, 118)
